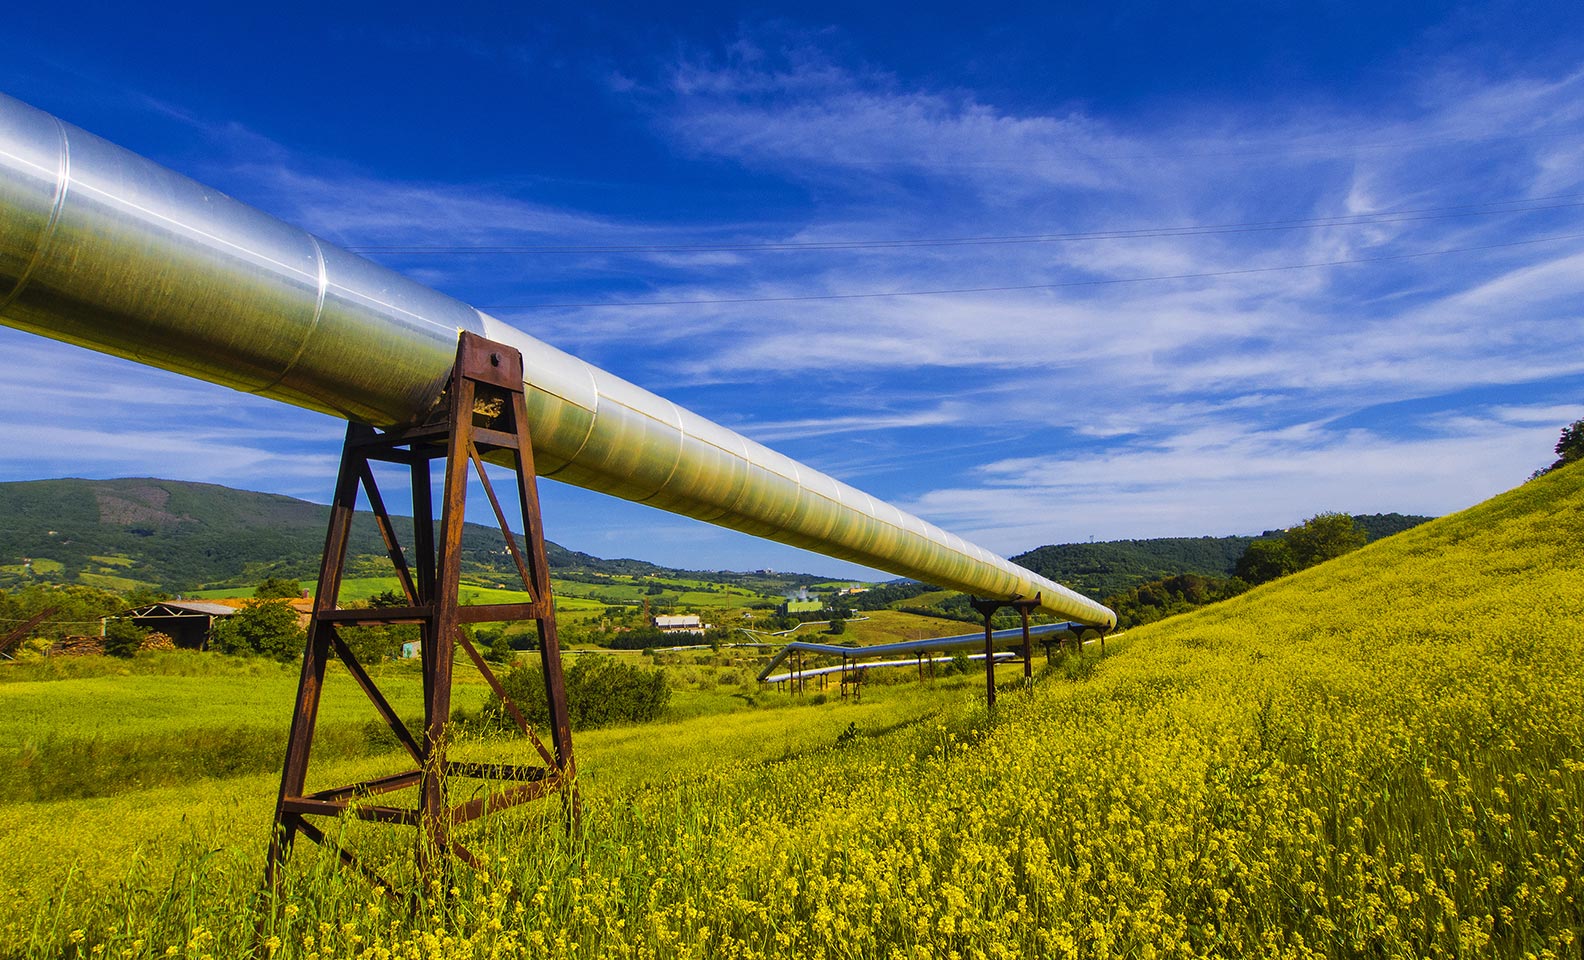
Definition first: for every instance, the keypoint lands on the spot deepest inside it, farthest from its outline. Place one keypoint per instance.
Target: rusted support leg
(434, 811)
(295, 774)
(316, 653)
(987, 609)
(539, 589)
(1023, 608)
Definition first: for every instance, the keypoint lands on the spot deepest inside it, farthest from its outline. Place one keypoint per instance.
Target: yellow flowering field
(1379, 757)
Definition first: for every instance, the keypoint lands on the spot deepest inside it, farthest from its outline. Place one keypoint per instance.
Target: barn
(186, 622)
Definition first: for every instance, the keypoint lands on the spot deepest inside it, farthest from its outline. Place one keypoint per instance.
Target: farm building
(682, 623)
(186, 622)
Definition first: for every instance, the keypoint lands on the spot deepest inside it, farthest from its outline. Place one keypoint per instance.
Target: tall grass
(1379, 757)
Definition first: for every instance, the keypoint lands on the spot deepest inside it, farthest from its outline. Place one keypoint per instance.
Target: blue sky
(1290, 258)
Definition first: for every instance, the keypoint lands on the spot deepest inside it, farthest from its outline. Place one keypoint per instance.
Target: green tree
(1265, 560)
(1324, 536)
(638, 638)
(77, 609)
(837, 626)
(144, 596)
(122, 637)
(496, 647)
(371, 644)
(277, 588)
(1168, 596)
(265, 627)
(1570, 446)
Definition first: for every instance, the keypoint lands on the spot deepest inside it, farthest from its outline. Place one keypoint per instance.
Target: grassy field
(1382, 756)
(885, 626)
(570, 594)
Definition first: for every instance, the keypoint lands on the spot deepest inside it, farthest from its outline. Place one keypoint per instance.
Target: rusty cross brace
(483, 412)
(16, 634)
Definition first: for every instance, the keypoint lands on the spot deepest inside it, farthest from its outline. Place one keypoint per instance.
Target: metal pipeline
(961, 641)
(105, 249)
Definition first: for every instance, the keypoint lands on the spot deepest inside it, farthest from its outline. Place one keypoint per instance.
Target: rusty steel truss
(482, 415)
(18, 633)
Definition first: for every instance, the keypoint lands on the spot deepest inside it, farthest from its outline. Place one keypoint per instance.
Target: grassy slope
(1380, 756)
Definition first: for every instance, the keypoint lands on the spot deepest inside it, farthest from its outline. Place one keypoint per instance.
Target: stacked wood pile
(77, 647)
(156, 641)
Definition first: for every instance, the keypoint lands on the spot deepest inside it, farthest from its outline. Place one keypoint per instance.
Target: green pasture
(570, 594)
(41, 566)
(111, 582)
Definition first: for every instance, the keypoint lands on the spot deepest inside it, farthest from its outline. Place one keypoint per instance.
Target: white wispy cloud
(1225, 481)
(1218, 404)
(874, 420)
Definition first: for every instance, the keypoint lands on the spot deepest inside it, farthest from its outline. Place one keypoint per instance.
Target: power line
(1045, 286)
(1492, 208)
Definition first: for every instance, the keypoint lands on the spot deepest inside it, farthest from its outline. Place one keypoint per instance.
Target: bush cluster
(601, 690)
(267, 628)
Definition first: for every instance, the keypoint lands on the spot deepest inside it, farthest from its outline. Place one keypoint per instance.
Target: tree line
(1316, 540)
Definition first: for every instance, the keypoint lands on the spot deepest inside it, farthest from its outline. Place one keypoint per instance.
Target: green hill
(180, 536)
(1107, 567)
(1112, 566)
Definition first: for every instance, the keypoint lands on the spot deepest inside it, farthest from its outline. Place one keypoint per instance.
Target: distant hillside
(1112, 566)
(177, 536)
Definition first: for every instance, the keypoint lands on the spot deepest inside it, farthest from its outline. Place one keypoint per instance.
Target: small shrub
(600, 690)
(123, 638)
(378, 737)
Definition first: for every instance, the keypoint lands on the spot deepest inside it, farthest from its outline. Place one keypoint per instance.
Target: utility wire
(1046, 286)
(1493, 208)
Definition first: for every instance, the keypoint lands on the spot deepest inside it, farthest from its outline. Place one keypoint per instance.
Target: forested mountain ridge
(176, 535)
(1108, 567)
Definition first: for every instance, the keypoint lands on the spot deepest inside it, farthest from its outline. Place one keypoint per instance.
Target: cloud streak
(1218, 404)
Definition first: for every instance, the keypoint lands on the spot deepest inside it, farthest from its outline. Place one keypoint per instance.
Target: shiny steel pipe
(105, 249)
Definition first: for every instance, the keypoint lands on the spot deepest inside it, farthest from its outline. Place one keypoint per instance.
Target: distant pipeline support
(105, 249)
